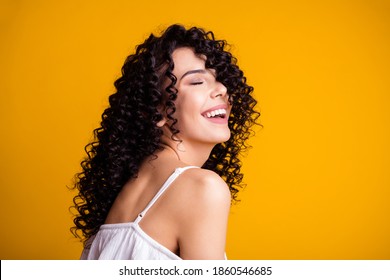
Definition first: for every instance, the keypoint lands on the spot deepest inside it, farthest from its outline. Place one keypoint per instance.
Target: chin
(224, 138)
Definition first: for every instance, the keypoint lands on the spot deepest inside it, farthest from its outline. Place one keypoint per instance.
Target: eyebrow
(202, 71)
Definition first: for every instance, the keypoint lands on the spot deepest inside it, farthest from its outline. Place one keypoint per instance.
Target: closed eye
(196, 83)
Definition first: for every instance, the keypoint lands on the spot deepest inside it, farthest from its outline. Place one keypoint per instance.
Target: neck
(195, 155)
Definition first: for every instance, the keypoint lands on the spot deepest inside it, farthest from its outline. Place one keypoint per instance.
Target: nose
(219, 90)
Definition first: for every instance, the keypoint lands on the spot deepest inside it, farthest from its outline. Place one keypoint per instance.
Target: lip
(223, 120)
(221, 106)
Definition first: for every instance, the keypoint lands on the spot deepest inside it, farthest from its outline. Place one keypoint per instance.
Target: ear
(162, 122)
(161, 110)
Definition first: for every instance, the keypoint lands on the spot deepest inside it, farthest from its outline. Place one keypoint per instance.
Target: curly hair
(129, 133)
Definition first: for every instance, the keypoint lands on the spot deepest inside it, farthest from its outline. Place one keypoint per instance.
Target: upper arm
(203, 217)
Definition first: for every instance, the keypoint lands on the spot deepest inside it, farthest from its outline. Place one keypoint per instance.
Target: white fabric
(127, 241)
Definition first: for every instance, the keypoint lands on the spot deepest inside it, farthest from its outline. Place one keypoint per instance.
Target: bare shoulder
(203, 204)
(205, 186)
(201, 191)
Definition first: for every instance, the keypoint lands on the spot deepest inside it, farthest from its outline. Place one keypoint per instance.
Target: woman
(159, 179)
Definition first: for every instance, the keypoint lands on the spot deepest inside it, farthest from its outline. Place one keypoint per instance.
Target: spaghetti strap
(167, 183)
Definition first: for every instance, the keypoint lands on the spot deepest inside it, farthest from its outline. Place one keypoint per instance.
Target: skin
(190, 218)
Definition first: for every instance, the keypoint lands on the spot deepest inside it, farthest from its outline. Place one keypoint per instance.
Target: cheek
(189, 105)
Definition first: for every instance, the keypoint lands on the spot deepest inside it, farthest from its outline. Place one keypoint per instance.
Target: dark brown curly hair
(128, 133)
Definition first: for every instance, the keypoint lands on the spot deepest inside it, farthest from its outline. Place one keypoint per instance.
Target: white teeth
(215, 113)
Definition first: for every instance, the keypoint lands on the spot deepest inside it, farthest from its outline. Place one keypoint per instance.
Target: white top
(127, 241)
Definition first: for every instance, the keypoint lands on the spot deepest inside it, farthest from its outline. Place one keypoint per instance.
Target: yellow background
(318, 174)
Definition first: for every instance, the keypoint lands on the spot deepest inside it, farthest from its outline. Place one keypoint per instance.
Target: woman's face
(202, 106)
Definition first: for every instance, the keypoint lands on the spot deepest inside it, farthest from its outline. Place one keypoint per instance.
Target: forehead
(185, 59)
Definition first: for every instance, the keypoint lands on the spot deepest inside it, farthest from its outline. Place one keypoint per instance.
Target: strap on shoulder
(167, 183)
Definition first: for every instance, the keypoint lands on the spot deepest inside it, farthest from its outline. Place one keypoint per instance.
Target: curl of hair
(128, 133)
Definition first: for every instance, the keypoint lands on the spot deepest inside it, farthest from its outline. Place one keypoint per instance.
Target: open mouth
(217, 116)
(219, 113)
